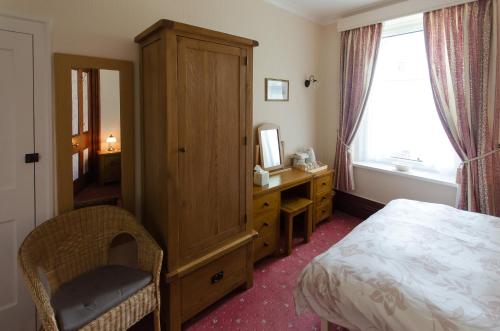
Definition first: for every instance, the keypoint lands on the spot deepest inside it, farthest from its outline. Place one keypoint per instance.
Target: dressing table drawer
(322, 199)
(323, 189)
(264, 245)
(323, 211)
(267, 203)
(323, 184)
(265, 222)
(266, 225)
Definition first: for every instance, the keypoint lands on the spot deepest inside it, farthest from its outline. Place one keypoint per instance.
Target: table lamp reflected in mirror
(110, 141)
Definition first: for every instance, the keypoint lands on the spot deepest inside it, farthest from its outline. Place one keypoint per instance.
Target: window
(400, 123)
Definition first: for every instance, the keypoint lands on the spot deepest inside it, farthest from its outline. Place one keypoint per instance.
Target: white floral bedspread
(411, 266)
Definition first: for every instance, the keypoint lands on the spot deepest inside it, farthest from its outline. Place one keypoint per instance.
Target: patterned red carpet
(268, 305)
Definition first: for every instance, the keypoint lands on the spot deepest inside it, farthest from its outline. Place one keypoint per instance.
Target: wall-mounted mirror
(271, 148)
(94, 119)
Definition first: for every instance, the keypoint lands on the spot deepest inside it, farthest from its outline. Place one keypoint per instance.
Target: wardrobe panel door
(211, 150)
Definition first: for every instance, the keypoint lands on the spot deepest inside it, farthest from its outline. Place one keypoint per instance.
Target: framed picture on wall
(277, 89)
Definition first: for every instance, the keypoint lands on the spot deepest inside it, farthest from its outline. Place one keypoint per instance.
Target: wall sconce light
(111, 140)
(310, 81)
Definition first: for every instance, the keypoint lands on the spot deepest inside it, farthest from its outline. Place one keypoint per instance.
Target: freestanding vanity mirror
(271, 149)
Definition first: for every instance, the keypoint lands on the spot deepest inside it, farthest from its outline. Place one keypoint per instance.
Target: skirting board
(356, 206)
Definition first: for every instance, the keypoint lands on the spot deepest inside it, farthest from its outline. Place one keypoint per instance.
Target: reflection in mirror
(96, 137)
(270, 148)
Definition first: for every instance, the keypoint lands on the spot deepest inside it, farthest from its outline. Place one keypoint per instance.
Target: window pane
(85, 161)
(85, 101)
(74, 102)
(76, 160)
(401, 119)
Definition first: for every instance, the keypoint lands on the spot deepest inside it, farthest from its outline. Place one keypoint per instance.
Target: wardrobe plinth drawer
(266, 203)
(323, 184)
(323, 212)
(209, 283)
(264, 245)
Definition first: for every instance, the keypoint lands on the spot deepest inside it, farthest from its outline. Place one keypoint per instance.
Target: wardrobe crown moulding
(183, 27)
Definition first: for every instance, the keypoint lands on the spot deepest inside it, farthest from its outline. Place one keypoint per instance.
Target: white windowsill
(414, 174)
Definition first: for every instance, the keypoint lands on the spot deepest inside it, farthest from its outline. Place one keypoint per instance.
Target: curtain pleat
(461, 52)
(359, 54)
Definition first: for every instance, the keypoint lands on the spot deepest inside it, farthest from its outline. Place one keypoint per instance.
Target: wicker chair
(72, 244)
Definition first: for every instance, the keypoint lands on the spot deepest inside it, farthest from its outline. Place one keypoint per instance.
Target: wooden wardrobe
(196, 88)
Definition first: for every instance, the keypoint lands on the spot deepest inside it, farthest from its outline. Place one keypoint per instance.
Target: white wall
(289, 45)
(327, 119)
(109, 86)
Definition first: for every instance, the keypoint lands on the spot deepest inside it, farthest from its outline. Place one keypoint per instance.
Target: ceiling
(328, 11)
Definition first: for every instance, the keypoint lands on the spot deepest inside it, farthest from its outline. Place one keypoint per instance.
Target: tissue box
(261, 179)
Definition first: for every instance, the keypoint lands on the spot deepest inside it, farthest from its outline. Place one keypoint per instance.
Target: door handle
(31, 158)
(182, 150)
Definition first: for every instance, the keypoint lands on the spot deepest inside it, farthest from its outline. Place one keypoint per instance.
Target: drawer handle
(266, 204)
(217, 277)
(324, 183)
(266, 224)
(266, 245)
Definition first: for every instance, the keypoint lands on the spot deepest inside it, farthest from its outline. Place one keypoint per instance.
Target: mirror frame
(270, 126)
(63, 63)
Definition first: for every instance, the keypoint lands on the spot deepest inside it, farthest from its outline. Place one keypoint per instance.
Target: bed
(411, 266)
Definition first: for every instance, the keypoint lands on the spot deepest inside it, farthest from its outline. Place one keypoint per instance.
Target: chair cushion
(88, 296)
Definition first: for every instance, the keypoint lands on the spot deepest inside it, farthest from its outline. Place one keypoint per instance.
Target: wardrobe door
(211, 115)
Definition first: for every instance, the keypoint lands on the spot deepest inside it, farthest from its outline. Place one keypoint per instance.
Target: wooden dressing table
(267, 202)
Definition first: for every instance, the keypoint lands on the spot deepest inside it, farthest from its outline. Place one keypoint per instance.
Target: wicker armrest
(149, 254)
(39, 295)
(150, 258)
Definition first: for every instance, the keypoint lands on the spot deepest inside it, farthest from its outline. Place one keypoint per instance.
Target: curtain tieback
(480, 157)
(347, 147)
(469, 174)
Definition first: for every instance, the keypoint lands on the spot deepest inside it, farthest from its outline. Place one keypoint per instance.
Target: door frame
(40, 30)
(63, 63)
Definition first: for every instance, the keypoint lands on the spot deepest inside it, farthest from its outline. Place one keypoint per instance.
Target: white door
(17, 178)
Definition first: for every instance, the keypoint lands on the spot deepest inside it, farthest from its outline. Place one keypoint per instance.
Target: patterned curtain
(461, 51)
(357, 64)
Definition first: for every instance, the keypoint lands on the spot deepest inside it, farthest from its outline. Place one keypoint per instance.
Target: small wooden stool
(291, 207)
